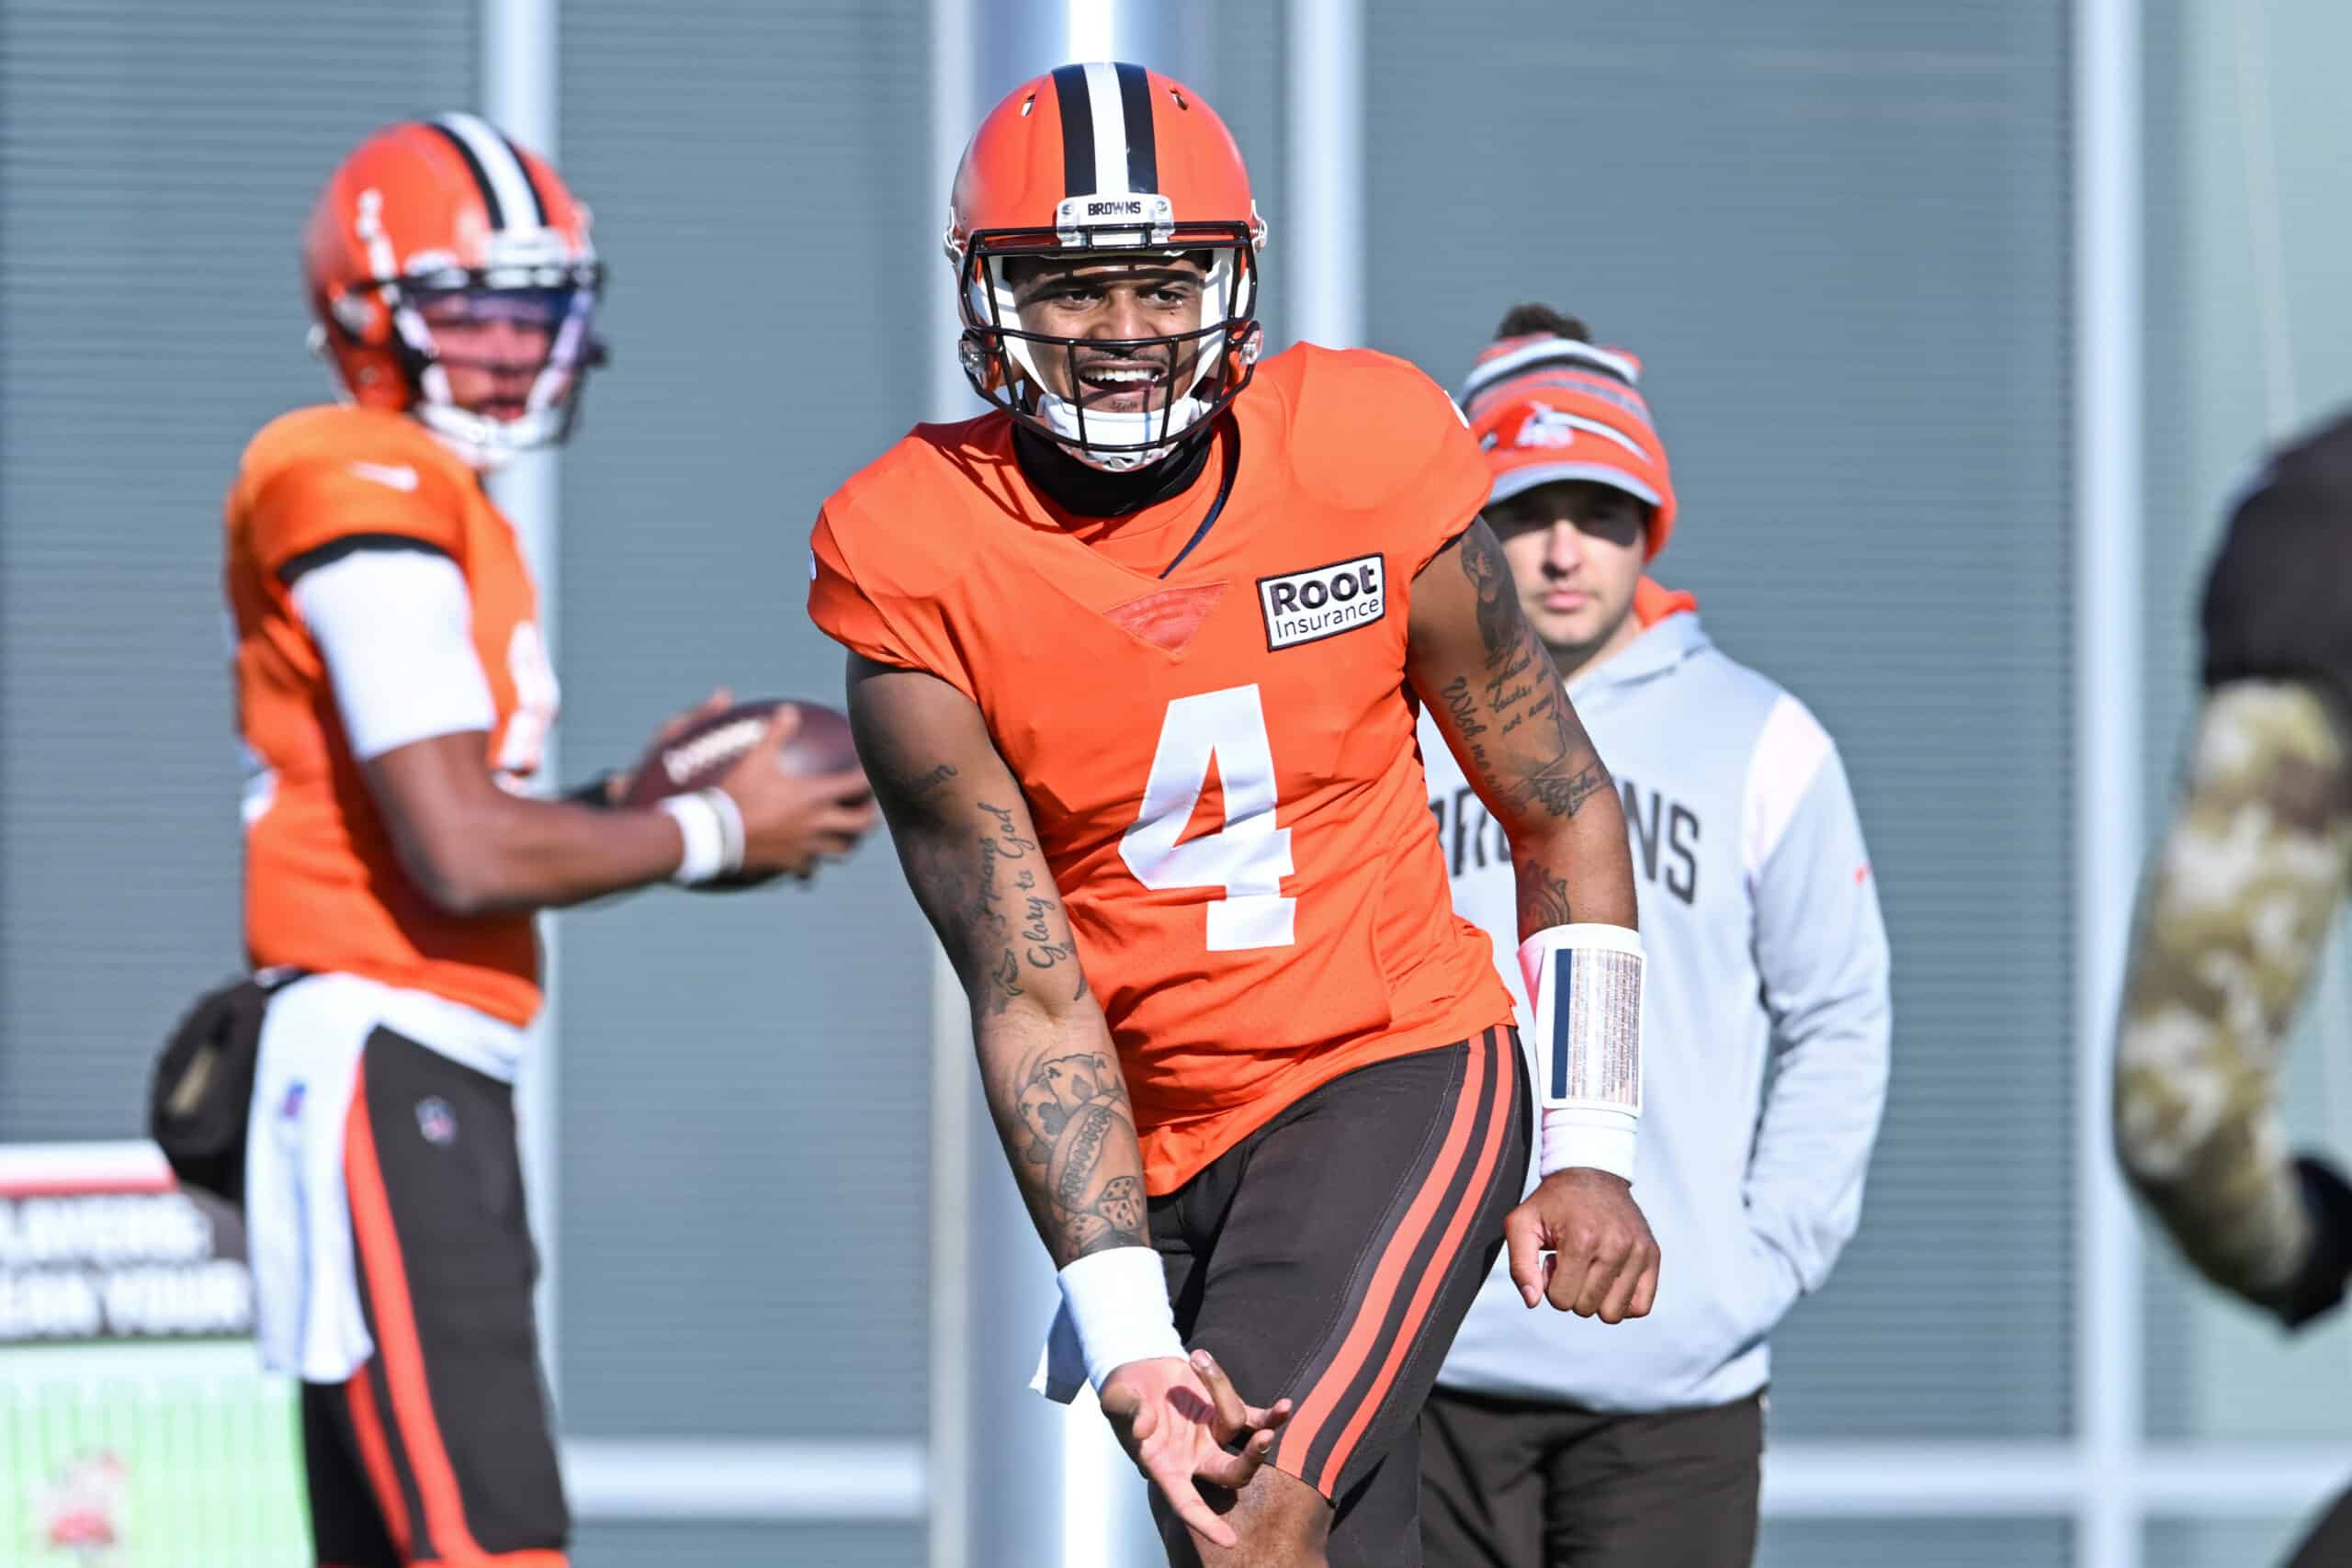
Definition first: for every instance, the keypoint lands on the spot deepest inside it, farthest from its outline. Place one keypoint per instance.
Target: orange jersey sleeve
(1372, 435)
(312, 498)
(886, 615)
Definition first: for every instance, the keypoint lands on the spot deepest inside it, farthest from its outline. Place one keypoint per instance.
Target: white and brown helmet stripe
(510, 198)
(1108, 148)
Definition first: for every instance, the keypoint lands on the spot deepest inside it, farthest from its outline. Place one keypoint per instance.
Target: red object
(80, 1528)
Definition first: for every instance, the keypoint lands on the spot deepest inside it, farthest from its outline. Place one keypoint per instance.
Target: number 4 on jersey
(1248, 856)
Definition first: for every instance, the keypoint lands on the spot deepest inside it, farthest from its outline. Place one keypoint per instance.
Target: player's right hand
(1602, 1259)
(792, 821)
(1174, 1418)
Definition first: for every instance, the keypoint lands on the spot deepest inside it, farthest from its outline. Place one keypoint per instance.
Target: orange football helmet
(1105, 157)
(447, 206)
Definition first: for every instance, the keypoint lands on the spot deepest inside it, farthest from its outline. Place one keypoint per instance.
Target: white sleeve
(396, 629)
(1821, 950)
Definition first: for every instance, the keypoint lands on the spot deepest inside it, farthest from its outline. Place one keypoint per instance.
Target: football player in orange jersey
(1133, 668)
(392, 694)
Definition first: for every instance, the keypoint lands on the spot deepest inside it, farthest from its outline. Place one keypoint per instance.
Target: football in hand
(699, 755)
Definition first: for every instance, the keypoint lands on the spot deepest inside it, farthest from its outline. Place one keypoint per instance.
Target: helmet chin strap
(483, 444)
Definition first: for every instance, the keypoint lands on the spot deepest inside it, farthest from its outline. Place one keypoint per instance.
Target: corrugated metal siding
(743, 1545)
(1916, 1543)
(1245, 49)
(2220, 1544)
(157, 163)
(745, 1083)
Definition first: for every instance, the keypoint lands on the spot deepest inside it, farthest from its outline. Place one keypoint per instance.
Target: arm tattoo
(985, 925)
(1541, 754)
(1542, 896)
(1489, 574)
(1037, 912)
(988, 891)
(1044, 1052)
(1079, 1163)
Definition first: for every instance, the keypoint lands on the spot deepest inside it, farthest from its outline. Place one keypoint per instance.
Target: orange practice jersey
(324, 889)
(1221, 763)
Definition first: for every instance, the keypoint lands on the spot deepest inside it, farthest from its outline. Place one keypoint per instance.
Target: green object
(155, 1454)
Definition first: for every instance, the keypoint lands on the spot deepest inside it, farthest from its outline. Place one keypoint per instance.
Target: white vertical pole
(1323, 221)
(518, 89)
(949, 1448)
(948, 1467)
(2109, 721)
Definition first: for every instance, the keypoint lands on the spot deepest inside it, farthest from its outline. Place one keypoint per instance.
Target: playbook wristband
(1584, 983)
(1117, 1301)
(710, 829)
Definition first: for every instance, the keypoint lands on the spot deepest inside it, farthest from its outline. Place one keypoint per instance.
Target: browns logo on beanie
(1547, 406)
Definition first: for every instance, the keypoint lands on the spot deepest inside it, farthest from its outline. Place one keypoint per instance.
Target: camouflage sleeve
(2234, 910)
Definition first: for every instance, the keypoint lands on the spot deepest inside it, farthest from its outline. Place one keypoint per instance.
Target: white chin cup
(1128, 430)
(486, 444)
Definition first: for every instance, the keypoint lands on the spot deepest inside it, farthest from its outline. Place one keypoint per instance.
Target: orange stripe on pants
(1495, 1133)
(397, 1342)
(1323, 1399)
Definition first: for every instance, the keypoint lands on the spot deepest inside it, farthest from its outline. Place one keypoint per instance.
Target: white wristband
(711, 829)
(1585, 983)
(1118, 1302)
(1589, 1137)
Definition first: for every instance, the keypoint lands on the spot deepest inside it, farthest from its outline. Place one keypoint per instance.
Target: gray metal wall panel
(1839, 236)
(2178, 539)
(675, 1545)
(1245, 58)
(2220, 1544)
(1916, 1543)
(744, 1080)
(156, 164)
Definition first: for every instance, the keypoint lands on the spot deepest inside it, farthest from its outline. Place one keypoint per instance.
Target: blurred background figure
(2237, 905)
(1550, 1439)
(392, 697)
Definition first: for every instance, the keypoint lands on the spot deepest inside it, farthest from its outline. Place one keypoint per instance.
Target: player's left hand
(1580, 1242)
(1175, 1418)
